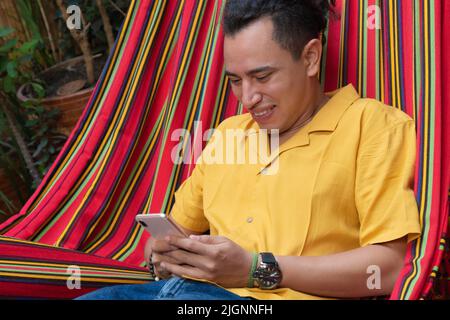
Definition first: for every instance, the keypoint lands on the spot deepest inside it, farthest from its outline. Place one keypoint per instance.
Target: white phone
(159, 225)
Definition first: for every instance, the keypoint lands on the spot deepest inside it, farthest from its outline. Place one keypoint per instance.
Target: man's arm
(345, 275)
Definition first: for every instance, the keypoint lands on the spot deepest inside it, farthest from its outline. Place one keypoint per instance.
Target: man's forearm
(345, 275)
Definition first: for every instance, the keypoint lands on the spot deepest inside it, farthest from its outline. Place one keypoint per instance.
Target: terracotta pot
(71, 105)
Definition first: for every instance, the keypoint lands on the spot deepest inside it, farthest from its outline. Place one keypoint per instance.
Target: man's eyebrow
(252, 72)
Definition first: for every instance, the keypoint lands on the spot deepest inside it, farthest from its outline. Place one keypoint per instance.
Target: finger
(158, 258)
(162, 246)
(189, 258)
(207, 239)
(190, 245)
(184, 271)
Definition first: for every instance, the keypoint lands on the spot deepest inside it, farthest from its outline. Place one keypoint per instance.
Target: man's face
(271, 85)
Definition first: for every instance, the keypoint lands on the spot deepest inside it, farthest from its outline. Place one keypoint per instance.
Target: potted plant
(68, 84)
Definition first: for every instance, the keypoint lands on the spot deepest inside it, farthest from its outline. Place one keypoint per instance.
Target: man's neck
(315, 105)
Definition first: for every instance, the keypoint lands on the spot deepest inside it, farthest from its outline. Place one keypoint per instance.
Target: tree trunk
(106, 24)
(26, 154)
(81, 38)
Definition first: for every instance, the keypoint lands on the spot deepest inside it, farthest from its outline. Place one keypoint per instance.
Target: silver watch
(267, 275)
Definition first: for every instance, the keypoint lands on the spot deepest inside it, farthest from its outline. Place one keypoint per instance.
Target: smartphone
(159, 225)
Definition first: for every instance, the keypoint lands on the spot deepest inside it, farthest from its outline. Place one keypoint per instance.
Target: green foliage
(13, 56)
(35, 124)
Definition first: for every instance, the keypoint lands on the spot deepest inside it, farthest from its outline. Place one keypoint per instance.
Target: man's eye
(235, 81)
(263, 78)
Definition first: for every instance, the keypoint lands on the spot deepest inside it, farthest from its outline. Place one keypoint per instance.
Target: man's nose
(250, 96)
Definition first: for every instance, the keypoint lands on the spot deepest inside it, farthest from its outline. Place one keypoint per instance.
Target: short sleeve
(187, 210)
(384, 192)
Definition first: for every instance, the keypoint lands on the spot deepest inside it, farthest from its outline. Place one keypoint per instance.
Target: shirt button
(249, 220)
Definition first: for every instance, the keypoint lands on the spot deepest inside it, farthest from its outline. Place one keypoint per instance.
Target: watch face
(268, 276)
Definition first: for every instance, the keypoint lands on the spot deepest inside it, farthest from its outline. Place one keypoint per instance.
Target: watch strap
(268, 258)
(251, 279)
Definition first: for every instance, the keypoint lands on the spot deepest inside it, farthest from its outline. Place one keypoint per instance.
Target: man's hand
(155, 253)
(215, 259)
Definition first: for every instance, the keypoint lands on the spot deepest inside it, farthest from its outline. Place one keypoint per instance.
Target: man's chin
(268, 127)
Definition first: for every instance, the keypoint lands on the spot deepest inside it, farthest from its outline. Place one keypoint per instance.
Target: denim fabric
(171, 289)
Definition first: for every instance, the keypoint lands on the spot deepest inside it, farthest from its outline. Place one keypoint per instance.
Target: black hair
(296, 22)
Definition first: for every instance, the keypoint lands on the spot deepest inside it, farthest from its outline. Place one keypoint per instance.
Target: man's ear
(312, 54)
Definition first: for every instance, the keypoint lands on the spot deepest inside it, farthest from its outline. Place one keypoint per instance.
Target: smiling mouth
(263, 114)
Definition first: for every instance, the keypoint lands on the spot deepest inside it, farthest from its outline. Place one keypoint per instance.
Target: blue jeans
(171, 289)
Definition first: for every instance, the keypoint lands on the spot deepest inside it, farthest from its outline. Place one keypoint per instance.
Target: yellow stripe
(360, 46)
(392, 49)
(129, 242)
(64, 278)
(61, 265)
(382, 75)
(341, 52)
(222, 101)
(397, 59)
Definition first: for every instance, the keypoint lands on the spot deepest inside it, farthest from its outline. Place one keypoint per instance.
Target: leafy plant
(29, 139)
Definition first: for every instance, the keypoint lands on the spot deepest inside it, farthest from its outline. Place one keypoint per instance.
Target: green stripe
(323, 68)
(378, 33)
(364, 59)
(136, 241)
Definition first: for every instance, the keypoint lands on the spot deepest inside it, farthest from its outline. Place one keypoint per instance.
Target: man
(340, 204)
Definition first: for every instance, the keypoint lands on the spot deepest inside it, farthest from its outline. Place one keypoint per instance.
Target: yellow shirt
(343, 181)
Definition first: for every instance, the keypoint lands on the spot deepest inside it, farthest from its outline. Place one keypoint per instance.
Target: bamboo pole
(106, 24)
(47, 28)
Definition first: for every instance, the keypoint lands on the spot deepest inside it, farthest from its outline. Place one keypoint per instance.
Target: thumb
(207, 239)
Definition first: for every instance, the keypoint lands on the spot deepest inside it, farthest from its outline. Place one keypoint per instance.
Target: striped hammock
(166, 72)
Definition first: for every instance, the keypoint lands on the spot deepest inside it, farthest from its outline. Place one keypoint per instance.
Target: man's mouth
(263, 113)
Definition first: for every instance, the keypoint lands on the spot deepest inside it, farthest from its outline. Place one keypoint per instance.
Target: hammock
(166, 72)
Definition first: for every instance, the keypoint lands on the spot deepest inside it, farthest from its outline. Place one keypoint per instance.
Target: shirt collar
(326, 119)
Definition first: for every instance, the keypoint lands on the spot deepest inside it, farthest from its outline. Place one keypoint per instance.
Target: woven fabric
(29, 270)
(166, 72)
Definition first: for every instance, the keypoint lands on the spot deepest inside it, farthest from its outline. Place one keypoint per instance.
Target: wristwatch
(267, 275)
